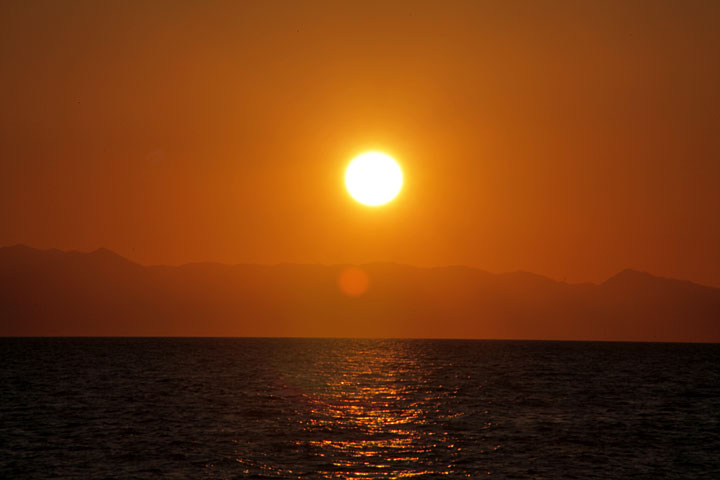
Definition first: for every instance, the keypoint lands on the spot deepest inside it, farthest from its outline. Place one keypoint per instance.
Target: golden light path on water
(363, 399)
(372, 410)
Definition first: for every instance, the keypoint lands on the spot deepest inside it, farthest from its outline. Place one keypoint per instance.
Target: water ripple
(291, 408)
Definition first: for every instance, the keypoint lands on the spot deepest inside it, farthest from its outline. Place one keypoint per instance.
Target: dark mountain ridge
(100, 293)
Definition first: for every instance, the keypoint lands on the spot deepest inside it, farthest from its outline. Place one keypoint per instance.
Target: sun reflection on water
(366, 409)
(372, 416)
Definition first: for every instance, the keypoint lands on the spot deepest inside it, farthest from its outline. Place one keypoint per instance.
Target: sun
(373, 178)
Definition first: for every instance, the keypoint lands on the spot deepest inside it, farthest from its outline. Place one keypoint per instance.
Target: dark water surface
(306, 408)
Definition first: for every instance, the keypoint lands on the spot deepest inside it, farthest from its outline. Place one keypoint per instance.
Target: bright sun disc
(373, 178)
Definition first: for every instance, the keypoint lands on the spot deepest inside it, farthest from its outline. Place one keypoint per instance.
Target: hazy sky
(571, 139)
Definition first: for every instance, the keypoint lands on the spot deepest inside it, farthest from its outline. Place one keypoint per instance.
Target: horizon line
(240, 337)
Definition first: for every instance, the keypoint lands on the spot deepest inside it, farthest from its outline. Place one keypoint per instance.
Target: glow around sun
(373, 178)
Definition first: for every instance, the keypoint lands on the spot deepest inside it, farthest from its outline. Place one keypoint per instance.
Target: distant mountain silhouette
(49, 292)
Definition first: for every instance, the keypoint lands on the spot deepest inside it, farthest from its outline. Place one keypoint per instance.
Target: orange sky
(571, 139)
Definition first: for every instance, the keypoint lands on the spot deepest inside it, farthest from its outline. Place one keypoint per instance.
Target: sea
(264, 408)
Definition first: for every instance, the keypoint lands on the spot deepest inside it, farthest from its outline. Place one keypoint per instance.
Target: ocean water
(332, 408)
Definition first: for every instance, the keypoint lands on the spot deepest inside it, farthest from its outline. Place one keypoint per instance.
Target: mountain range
(57, 293)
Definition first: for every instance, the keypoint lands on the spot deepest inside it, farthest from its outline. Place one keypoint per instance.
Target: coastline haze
(55, 293)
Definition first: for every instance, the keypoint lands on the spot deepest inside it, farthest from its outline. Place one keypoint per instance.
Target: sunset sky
(571, 139)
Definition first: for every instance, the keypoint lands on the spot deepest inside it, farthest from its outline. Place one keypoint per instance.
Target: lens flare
(353, 281)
